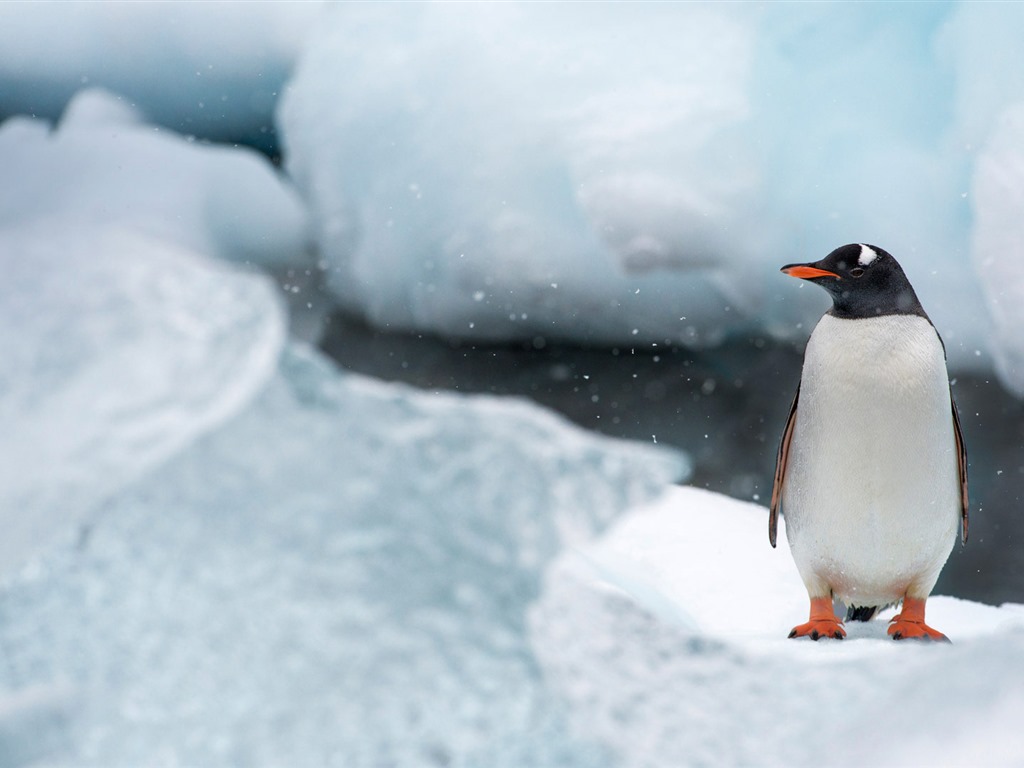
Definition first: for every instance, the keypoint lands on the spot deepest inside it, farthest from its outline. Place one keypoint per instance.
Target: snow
(338, 576)
(668, 639)
(203, 69)
(629, 176)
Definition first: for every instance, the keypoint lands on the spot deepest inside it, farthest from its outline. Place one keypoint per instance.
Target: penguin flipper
(781, 460)
(961, 461)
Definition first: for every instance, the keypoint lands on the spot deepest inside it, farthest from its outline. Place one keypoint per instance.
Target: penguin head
(863, 281)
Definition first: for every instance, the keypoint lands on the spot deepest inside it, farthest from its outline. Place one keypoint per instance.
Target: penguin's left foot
(823, 622)
(909, 624)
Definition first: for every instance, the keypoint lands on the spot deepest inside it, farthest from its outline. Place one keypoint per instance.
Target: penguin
(871, 471)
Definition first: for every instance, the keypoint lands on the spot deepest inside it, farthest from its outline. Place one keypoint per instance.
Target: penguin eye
(856, 272)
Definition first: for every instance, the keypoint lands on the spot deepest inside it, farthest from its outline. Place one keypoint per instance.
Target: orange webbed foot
(909, 623)
(823, 622)
(818, 628)
(908, 629)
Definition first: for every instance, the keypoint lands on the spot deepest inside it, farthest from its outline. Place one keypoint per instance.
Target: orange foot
(909, 623)
(823, 622)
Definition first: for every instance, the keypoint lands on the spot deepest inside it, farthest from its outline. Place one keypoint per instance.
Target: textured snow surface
(668, 638)
(207, 69)
(631, 175)
(337, 577)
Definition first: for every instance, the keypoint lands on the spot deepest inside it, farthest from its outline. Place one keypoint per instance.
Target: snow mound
(339, 576)
(125, 349)
(668, 639)
(206, 69)
(626, 176)
(104, 166)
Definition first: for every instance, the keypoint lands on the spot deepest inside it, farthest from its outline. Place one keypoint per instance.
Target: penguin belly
(871, 495)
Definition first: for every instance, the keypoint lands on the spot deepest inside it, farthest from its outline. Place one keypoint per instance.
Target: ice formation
(217, 549)
(105, 166)
(606, 175)
(119, 350)
(998, 239)
(206, 69)
(339, 576)
(126, 337)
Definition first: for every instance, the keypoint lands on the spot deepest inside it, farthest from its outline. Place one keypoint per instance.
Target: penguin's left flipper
(961, 463)
(780, 470)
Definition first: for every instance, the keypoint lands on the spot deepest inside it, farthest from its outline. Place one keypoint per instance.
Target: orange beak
(806, 273)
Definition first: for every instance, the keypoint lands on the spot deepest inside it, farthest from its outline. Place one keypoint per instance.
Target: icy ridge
(339, 576)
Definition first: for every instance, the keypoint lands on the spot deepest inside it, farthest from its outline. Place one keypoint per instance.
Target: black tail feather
(861, 612)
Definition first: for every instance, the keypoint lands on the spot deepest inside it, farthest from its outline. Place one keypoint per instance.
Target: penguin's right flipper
(961, 456)
(781, 460)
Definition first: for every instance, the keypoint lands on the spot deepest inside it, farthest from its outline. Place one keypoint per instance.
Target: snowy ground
(669, 640)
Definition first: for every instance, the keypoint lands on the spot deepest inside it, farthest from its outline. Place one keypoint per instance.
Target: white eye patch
(867, 255)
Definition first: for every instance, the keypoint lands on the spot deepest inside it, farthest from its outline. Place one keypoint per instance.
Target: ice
(998, 239)
(119, 350)
(104, 166)
(127, 338)
(657, 165)
(449, 150)
(206, 69)
(339, 576)
(668, 638)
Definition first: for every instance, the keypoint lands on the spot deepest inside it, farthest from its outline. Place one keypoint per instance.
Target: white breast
(871, 496)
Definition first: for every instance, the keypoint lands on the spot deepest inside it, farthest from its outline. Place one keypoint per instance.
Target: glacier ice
(120, 349)
(131, 337)
(997, 240)
(604, 175)
(338, 576)
(607, 175)
(489, 171)
(206, 69)
(103, 165)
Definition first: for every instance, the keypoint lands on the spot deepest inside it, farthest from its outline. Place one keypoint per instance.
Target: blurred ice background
(232, 235)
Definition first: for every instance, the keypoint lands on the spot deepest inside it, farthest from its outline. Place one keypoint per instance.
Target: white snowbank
(668, 639)
(104, 166)
(207, 69)
(631, 175)
(339, 576)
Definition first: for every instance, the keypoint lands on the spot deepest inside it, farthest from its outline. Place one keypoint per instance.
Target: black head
(863, 281)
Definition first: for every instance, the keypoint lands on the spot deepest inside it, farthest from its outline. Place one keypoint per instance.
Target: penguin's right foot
(909, 623)
(822, 623)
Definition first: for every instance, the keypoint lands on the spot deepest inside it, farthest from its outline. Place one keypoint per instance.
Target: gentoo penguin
(871, 472)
